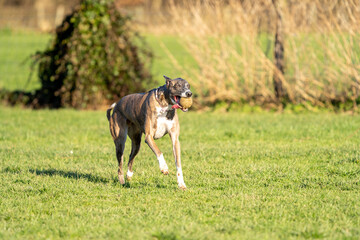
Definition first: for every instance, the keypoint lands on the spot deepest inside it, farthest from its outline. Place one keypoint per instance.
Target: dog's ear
(167, 81)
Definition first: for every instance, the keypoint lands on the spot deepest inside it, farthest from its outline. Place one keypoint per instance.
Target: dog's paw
(162, 165)
(182, 186)
(129, 175)
(121, 179)
(165, 171)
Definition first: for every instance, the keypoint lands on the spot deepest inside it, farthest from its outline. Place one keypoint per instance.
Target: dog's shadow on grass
(70, 174)
(85, 176)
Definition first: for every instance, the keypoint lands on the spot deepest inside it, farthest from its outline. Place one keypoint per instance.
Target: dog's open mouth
(177, 104)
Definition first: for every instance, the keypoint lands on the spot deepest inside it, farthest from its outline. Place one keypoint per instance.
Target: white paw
(180, 179)
(162, 164)
(129, 175)
(165, 170)
(182, 186)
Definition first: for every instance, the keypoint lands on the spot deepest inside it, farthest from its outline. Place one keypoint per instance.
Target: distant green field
(15, 49)
(249, 176)
(17, 46)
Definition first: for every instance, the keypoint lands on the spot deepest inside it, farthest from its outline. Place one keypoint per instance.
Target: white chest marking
(163, 125)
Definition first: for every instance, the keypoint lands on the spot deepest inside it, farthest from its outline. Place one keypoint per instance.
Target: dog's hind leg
(118, 129)
(120, 145)
(135, 137)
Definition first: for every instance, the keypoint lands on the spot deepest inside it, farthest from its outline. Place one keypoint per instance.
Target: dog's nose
(188, 94)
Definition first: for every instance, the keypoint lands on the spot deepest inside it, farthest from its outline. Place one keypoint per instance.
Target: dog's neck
(162, 95)
(163, 98)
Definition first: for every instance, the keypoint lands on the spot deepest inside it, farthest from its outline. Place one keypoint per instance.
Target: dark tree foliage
(95, 58)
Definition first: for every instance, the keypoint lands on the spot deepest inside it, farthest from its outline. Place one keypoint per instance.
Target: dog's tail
(109, 111)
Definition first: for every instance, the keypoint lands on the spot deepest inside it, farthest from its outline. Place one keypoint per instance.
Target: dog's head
(177, 88)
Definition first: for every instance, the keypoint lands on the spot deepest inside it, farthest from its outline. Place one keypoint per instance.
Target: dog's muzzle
(188, 93)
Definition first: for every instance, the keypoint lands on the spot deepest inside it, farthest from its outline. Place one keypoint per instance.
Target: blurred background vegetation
(226, 49)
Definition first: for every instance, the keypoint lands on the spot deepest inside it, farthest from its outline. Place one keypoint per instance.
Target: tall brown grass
(232, 44)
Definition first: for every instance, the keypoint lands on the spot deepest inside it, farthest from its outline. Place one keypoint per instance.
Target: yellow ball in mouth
(186, 102)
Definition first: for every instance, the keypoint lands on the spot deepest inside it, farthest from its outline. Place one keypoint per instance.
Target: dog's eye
(188, 86)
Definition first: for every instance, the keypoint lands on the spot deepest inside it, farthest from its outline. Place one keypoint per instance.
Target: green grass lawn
(248, 176)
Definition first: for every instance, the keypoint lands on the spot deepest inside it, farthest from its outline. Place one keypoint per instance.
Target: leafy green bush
(95, 57)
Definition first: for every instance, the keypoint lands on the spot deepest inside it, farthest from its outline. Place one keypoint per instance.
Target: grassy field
(249, 176)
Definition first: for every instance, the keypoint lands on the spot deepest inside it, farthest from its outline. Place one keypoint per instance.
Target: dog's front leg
(149, 139)
(174, 135)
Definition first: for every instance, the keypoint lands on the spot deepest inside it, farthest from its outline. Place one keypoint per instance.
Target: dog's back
(132, 107)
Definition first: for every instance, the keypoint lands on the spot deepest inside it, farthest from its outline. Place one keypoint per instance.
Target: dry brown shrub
(232, 43)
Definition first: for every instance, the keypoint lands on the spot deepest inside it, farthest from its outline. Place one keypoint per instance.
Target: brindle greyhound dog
(154, 114)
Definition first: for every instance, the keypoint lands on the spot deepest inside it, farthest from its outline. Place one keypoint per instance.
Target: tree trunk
(279, 55)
